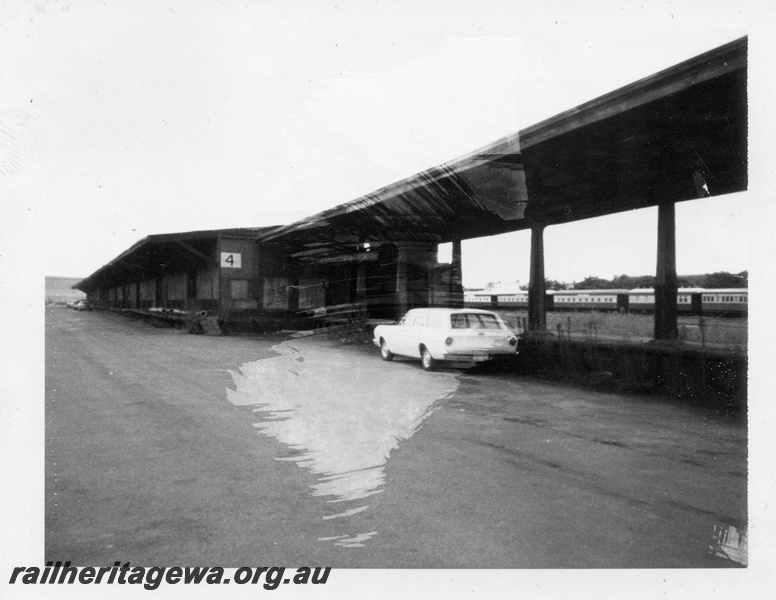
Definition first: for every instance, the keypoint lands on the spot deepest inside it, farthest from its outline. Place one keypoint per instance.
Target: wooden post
(456, 277)
(537, 309)
(361, 282)
(666, 281)
(401, 282)
(220, 311)
(293, 291)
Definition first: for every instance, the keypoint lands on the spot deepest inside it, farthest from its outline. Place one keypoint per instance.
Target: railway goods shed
(208, 273)
(678, 135)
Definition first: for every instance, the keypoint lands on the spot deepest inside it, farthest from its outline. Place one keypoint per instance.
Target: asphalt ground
(174, 449)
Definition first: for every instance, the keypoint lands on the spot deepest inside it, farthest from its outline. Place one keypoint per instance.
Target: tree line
(720, 279)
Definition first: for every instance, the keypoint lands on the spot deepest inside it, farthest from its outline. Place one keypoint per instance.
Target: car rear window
(474, 321)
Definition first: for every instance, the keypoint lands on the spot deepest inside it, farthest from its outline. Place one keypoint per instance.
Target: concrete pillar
(456, 277)
(537, 309)
(665, 280)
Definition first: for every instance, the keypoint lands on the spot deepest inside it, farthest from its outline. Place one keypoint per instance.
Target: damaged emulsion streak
(338, 424)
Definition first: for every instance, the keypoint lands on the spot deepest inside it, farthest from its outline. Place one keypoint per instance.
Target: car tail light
(449, 341)
(512, 341)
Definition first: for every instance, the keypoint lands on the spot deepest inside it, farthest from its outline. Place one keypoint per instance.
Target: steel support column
(537, 309)
(665, 281)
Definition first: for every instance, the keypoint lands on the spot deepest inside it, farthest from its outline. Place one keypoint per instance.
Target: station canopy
(680, 134)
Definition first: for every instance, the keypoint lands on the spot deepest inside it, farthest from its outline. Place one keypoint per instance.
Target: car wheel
(429, 363)
(385, 353)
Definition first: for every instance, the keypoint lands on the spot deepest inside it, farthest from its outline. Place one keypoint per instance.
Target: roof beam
(195, 252)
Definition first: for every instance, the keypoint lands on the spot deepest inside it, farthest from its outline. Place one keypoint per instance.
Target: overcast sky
(123, 119)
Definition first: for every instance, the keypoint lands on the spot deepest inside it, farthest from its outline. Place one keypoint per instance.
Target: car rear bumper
(479, 356)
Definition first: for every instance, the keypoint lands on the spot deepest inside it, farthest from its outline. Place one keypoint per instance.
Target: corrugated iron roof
(677, 135)
(155, 253)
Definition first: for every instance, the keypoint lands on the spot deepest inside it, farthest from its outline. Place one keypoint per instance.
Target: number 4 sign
(231, 260)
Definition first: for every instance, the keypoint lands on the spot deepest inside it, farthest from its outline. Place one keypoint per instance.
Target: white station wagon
(446, 334)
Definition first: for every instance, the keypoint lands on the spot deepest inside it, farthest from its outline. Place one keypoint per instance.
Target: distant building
(498, 287)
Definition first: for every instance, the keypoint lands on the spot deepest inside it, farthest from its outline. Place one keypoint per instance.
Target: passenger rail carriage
(731, 302)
